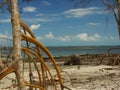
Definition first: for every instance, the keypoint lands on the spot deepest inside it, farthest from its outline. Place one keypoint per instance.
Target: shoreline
(86, 59)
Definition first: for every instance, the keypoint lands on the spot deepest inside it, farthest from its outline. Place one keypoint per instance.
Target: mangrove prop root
(31, 53)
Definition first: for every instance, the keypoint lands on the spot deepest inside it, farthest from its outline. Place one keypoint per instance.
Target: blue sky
(60, 23)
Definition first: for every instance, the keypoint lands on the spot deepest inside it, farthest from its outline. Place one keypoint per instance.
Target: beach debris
(112, 59)
(74, 60)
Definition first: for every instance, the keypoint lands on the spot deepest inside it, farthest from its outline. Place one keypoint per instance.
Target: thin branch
(3, 2)
(112, 8)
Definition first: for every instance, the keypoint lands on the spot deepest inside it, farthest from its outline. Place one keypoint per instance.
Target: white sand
(83, 78)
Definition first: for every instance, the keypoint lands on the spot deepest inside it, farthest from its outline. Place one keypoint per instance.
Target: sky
(62, 23)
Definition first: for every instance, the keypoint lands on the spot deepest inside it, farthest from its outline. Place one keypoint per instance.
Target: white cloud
(104, 11)
(95, 37)
(5, 36)
(81, 12)
(65, 38)
(113, 38)
(39, 14)
(86, 37)
(93, 24)
(45, 3)
(40, 38)
(5, 20)
(49, 35)
(34, 26)
(82, 36)
(29, 9)
(36, 20)
(22, 31)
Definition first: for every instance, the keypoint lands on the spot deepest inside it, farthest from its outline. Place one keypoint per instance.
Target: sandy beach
(86, 75)
(81, 77)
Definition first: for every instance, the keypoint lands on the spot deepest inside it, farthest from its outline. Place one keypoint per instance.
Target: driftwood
(113, 59)
(74, 60)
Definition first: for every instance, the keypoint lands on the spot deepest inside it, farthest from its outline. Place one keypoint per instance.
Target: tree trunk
(17, 43)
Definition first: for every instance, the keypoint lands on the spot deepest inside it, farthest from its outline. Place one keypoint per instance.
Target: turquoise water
(80, 50)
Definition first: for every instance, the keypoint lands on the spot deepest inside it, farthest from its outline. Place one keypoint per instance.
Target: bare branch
(3, 2)
(111, 7)
(81, 3)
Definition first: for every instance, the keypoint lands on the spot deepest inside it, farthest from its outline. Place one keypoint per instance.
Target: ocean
(57, 51)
